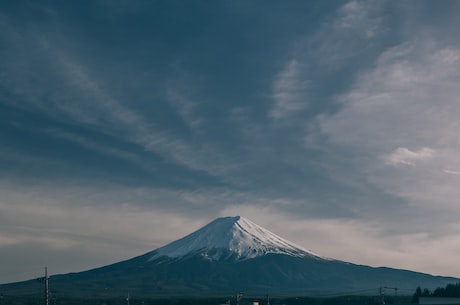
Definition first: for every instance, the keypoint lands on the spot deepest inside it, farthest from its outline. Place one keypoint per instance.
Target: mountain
(231, 254)
(234, 238)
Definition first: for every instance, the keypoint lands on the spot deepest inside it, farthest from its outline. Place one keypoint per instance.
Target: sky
(125, 125)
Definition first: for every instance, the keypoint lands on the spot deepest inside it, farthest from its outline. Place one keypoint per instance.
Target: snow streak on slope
(234, 237)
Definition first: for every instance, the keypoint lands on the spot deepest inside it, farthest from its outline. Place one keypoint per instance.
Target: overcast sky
(125, 125)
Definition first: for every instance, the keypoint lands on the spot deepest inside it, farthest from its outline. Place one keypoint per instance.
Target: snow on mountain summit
(235, 237)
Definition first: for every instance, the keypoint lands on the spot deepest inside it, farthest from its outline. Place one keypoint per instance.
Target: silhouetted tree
(417, 294)
(451, 290)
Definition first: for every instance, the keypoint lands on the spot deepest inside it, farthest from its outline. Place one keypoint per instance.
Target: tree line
(450, 291)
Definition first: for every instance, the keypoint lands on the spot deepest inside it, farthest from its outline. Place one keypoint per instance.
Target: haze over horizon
(126, 125)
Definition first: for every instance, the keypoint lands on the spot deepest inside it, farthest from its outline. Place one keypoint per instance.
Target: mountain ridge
(235, 237)
(227, 255)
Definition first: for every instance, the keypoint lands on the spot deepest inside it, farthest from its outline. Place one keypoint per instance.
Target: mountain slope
(231, 254)
(234, 237)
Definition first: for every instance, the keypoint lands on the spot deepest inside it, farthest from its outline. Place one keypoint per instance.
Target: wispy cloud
(370, 84)
(352, 32)
(362, 17)
(339, 39)
(405, 156)
(451, 172)
(69, 91)
(290, 91)
(94, 226)
(179, 94)
(395, 102)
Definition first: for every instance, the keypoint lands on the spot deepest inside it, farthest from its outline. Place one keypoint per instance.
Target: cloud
(69, 91)
(403, 112)
(404, 156)
(451, 172)
(180, 94)
(377, 103)
(352, 32)
(316, 57)
(360, 17)
(290, 91)
(95, 225)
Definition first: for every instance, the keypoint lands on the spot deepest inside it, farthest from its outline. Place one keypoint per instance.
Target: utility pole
(395, 289)
(238, 297)
(47, 292)
(382, 293)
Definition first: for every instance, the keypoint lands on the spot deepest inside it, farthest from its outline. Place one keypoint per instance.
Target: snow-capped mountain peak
(235, 237)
